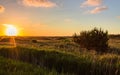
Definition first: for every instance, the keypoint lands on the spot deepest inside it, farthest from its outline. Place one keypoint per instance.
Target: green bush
(96, 39)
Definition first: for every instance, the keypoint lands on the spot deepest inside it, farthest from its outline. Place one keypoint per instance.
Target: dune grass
(12, 67)
(66, 63)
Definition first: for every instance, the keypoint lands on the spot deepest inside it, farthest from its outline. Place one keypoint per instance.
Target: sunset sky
(59, 17)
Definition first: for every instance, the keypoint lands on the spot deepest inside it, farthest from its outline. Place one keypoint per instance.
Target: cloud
(96, 5)
(1, 9)
(91, 3)
(39, 3)
(98, 9)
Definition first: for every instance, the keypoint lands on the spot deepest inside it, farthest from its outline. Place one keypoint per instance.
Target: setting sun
(11, 30)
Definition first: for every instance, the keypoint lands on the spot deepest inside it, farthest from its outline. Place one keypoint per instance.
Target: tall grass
(12, 67)
(66, 63)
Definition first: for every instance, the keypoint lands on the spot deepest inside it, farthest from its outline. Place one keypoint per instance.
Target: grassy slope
(85, 64)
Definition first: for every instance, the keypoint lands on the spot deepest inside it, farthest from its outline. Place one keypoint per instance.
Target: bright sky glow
(11, 30)
(59, 17)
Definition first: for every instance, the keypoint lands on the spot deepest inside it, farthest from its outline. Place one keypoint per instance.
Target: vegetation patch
(85, 64)
(96, 39)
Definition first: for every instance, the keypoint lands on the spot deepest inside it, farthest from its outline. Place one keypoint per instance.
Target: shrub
(34, 41)
(96, 39)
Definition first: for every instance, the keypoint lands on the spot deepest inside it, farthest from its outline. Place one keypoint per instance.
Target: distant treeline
(114, 35)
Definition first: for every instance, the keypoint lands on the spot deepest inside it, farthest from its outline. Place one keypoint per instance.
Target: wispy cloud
(2, 9)
(98, 9)
(96, 5)
(39, 3)
(91, 3)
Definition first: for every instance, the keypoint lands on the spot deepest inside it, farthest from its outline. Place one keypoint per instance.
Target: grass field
(57, 56)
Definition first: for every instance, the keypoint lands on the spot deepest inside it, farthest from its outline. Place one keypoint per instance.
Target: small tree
(95, 39)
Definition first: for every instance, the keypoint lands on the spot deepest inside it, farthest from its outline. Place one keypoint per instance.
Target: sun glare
(11, 30)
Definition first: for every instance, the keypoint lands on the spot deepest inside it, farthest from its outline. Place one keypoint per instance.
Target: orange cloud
(92, 3)
(39, 3)
(98, 9)
(1, 9)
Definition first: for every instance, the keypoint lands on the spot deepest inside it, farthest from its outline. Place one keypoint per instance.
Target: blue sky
(60, 17)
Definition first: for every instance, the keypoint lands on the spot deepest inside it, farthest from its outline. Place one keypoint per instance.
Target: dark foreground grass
(12, 67)
(84, 64)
